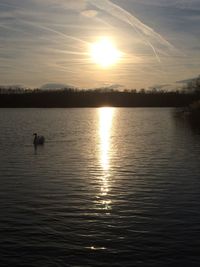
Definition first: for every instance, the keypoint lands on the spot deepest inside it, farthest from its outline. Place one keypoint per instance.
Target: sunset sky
(150, 42)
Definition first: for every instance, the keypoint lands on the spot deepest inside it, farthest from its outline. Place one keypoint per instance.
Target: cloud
(149, 36)
(67, 4)
(185, 4)
(89, 13)
(75, 4)
(49, 39)
(179, 4)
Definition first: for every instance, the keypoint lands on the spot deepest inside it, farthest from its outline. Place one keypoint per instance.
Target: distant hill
(189, 80)
(55, 86)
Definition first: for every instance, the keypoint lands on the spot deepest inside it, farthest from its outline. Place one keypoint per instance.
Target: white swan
(38, 139)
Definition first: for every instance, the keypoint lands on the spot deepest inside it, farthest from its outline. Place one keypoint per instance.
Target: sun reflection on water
(105, 129)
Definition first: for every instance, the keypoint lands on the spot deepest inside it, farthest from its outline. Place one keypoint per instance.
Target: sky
(49, 42)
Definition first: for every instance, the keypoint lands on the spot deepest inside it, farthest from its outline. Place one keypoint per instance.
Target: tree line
(72, 97)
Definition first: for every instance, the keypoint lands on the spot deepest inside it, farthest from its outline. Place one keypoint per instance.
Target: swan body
(38, 139)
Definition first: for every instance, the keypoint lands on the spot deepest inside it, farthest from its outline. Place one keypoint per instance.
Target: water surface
(110, 187)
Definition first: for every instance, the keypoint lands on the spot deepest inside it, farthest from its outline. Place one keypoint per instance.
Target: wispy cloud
(89, 13)
(150, 37)
(182, 4)
(48, 40)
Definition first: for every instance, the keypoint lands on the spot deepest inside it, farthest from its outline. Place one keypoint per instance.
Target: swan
(38, 139)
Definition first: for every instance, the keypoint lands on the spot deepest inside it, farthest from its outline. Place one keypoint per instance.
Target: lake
(110, 187)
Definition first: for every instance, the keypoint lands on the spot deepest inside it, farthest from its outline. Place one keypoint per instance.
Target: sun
(104, 53)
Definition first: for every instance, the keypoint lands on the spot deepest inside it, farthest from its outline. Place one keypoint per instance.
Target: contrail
(154, 50)
(145, 31)
(54, 31)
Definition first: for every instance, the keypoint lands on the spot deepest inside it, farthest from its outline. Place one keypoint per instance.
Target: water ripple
(111, 187)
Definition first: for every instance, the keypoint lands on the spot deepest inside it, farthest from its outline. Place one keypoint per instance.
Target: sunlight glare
(106, 115)
(104, 53)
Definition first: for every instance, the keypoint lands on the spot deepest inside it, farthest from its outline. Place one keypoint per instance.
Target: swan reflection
(105, 129)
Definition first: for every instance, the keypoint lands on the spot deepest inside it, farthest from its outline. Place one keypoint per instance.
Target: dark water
(110, 187)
